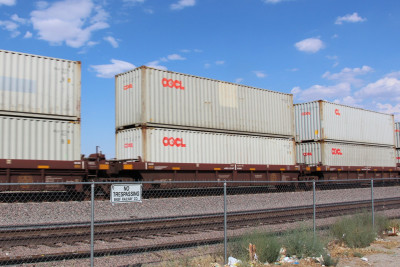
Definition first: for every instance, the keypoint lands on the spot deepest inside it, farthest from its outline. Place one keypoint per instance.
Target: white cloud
(27, 35)
(260, 74)
(273, 1)
(41, 4)
(91, 43)
(10, 26)
(395, 74)
(112, 41)
(198, 50)
(155, 64)
(13, 24)
(350, 18)
(317, 92)
(181, 4)
(134, 1)
(15, 18)
(207, 65)
(110, 70)
(69, 21)
(335, 59)
(348, 75)
(349, 101)
(175, 57)
(8, 2)
(238, 80)
(219, 62)
(386, 88)
(390, 109)
(310, 45)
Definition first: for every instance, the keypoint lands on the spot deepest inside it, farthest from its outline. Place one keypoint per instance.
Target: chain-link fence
(161, 224)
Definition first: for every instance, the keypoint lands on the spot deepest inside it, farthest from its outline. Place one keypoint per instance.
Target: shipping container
(39, 86)
(184, 146)
(39, 139)
(342, 154)
(147, 96)
(325, 121)
(397, 134)
(398, 155)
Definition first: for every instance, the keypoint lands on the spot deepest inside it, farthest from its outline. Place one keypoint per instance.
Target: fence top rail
(205, 182)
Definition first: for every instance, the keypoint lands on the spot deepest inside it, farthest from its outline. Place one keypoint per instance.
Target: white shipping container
(341, 154)
(397, 134)
(39, 139)
(156, 97)
(40, 86)
(321, 120)
(184, 146)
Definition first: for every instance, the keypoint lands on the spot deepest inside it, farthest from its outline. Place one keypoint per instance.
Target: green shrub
(357, 231)
(301, 242)
(267, 247)
(329, 261)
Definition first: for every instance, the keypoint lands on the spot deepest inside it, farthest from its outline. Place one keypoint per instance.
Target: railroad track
(50, 235)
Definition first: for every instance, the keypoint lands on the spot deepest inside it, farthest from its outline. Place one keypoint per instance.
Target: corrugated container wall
(39, 139)
(146, 96)
(39, 86)
(397, 134)
(398, 155)
(322, 120)
(184, 146)
(341, 154)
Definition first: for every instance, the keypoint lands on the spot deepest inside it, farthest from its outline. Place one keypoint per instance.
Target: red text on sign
(127, 145)
(307, 154)
(337, 112)
(170, 141)
(305, 113)
(336, 151)
(128, 86)
(172, 83)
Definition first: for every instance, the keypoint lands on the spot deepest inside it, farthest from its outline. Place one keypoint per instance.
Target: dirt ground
(384, 252)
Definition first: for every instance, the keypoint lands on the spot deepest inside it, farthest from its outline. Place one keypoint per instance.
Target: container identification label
(126, 193)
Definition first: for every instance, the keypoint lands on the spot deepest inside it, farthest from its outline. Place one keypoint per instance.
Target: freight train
(177, 127)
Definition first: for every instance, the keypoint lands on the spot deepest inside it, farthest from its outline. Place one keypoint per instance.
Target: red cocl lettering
(337, 112)
(305, 113)
(336, 151)
(126, 87)
(397, 131)
(170, 141)
(307, 154)
(127, 145)
(172, 83)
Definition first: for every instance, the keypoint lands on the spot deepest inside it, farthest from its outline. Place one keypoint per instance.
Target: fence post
(372, 203)
(314, 209)
(225, 226)
(92, 225)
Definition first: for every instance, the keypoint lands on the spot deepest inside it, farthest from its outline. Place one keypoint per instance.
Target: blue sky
(344, 51)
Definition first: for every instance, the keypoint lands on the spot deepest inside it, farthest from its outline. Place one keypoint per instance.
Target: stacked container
(333, 134)
(397, 140)
(172, 117)
(39, 107)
